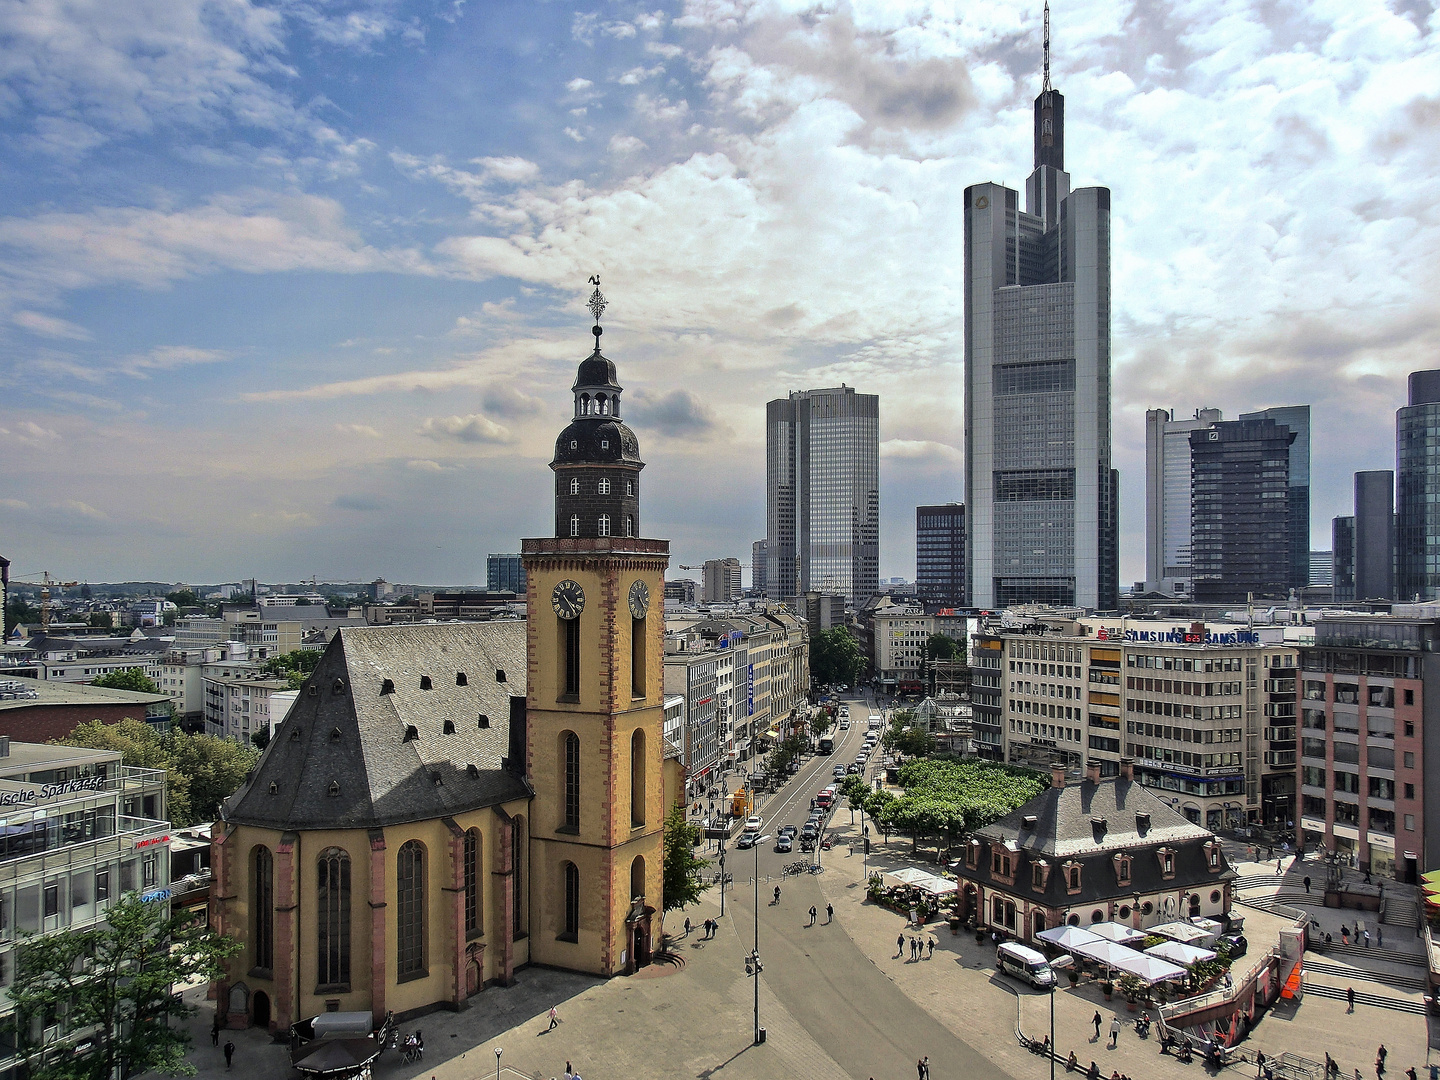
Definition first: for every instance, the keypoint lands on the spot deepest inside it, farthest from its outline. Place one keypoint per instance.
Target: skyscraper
(1040, 493)
(759, 580)
(822, 458)
(940, 554)
(1375, 535)
(1167, 497)
(504, 573)
(1342, 542)
(1297, 419)
(722, 580)
(1240, 511)
(1417, 467)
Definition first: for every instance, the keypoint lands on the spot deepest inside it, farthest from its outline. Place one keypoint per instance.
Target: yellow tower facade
(594, 696)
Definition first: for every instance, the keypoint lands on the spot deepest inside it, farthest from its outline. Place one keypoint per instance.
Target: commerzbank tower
(1042, 499)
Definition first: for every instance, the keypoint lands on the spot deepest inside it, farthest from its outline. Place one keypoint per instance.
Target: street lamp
(498, 1052)
(1057, 965)
(722, 879)
(752, 962)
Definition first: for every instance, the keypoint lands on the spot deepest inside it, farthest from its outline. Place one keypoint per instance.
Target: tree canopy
(18, 610)
(953, 796)
(943, 647)
(682, 880)
(117, 982)
(183, 598)
(130, 678)
(201, 770)
(835, 657)
(907, 735)
(293, 666)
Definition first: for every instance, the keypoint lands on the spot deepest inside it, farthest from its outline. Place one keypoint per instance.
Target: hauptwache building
(449, 802)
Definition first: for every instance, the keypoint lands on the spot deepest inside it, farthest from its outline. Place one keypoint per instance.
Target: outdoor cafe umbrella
(1067, 937)
(1177, 952)
(1116, 932)
(909, 875)
(1150, 968)
(331, 1056)
(1105, 952)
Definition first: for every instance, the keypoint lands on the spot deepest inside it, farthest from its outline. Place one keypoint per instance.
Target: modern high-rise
(1417, 504)
(1322, 568)
(1342, 540)
(722, 580)
(1040, 494)
(1240, 511)
(505, 573)
(759, 580)
(822, 509)
(1297, 419)
(1375, 535)
(940, 555)
(1167, 497)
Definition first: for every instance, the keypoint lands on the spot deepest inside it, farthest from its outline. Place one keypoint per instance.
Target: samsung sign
(26, 796)
(1180, 637)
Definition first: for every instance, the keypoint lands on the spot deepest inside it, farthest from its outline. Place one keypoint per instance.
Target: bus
(827, 746)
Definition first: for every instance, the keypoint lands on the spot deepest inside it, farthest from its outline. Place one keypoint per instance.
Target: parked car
(1235, 944)
(783, 843)
(838, 771)
(809, 832)
(747, 840)
(844, 725)
(789, 830)
(852, 769)
(793, 768)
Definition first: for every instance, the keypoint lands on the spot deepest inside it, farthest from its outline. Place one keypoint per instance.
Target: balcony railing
(83, 853)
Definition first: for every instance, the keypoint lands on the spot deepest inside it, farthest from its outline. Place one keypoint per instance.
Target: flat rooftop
(58, 693)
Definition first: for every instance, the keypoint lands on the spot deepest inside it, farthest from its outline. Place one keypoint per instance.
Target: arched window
(637, 779)
(629, 524)
(574, 524)
(574, 485)
(571, 929)
(603, 487)
(604, 525)
(570, 770)
(630, 488)
(473, 851)
(600, 404)
(262, 903)
(332, 939)
(584, 404)
(410, 911)
(637, 877)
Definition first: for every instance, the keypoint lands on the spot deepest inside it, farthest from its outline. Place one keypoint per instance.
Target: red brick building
(37, 712)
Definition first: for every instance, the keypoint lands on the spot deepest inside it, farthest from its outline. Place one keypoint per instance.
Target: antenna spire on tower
(1045, 84)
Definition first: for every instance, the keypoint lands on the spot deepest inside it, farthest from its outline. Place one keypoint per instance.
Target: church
(446, 803)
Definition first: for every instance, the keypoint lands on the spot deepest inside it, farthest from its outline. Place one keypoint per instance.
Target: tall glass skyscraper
(1167, 497)
(940, 554)
(822, 507)
(1040, 494)
(1297, 419)
(1417, 509)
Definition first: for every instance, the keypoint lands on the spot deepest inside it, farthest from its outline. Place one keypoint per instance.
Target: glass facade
(1417, 509)
(506, 573)
(823, 493)
(940, 554)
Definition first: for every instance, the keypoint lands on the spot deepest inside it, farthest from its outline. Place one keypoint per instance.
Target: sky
(297, 287)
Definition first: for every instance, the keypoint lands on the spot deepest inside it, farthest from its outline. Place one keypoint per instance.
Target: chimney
(515, 761)
(1127, 768)
(1092, 770)
(1057, 774)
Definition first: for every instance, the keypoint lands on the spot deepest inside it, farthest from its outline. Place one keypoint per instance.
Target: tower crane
(46, 583)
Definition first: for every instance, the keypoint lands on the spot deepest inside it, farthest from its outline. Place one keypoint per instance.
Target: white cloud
(49, 326)
(473, 428)
(625, 144)
(577, 85)
(166, 358)
(574, 133)
(425, 465)
(358, 429)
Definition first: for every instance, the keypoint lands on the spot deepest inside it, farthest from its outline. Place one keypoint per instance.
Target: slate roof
(343, 730)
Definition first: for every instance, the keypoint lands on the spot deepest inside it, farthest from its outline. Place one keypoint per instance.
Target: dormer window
(1072, 877)
(1039, 871)
(425, 683)
(387, 687)
(460, 679)
(449, 727)
(499, 674)
(411, 734)
(1212, 852)
(604, 444)
(484, 720)
(334, 789)
(972, 854)
(1122, 869)
(1167, 862)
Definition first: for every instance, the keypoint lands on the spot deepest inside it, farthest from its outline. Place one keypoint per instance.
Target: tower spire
(1045, 84)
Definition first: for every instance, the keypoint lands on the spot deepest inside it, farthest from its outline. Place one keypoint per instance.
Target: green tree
(116, 981)
(820, 723)
(835, 657)
(293, 666)
(214, 767)
(102, 620)
(184, 598)
(943, 647)
(261, 738)
(682, 882)
(130, 678)
(907, 736)
(303, 601)
(18, 610)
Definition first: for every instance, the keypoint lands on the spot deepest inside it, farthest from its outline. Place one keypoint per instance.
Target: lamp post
(753, 960)
(722, 879)
(1056, 966)
(498, 1052)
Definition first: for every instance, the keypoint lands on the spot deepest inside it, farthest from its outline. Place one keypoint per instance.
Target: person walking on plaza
(813, 915)
(1307, 883)
(229, 1052)
(931, 946)
(1097, 1020)
(925, 1064)
(1350, 998)
(1380, 1056)
(687, 925)
(215, 1030)
(1410, 1073)
(1114, 1031)
(900, 946)
(554, 1017)
(1367, 939)
(829, 913)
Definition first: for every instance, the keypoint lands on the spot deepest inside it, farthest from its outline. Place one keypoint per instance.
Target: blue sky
(297, 288)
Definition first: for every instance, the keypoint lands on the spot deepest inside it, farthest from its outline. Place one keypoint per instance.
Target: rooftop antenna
(1045, 84)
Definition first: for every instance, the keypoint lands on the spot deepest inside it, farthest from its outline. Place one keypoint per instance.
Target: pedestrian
(1367, 939)
(1379, 936)
(1410, 1073)
(914, 943)
(900, 945)
(229, 1052)
(1350, 998)
(569, 1074)
(1114, 1031)
(1381, 1054)
(925, 1061)
(1097, 1020)
(931, 946)
(1307, 883)
(829, 913)
(920, 1068)
(1279, 867)
(687, 926)
(1344, 936)
(813, 915)
(554, 1017)
(215, 1030)
(1329, 1063)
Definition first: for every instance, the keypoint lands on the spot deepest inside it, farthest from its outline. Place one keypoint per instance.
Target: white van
(874, 722)
(1026, 964)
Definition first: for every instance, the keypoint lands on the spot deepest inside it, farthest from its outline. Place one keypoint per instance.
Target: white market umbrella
(1068, 938)
(1116, 932)
(1177, 952)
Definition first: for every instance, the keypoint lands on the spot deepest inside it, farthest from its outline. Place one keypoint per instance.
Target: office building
(1167, 497)
(1417, 503)
(505, 574)
(759, 580)
(722, 580)
(1375, 535)
(1240, 512)
(1369, 716)
(1322, 568)
(1342, 540)
(822, 457)
(682, 590)
(940, 555)
(1297, 419)
(1040, 494)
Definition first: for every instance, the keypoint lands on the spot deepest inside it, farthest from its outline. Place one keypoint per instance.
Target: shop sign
(25, 796)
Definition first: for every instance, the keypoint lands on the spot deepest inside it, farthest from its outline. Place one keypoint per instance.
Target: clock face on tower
(639, 599)
(568, 599)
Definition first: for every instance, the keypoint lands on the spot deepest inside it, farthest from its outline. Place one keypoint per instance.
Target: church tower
(595, 704)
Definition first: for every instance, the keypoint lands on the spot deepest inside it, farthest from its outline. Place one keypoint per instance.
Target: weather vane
(597, 302)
